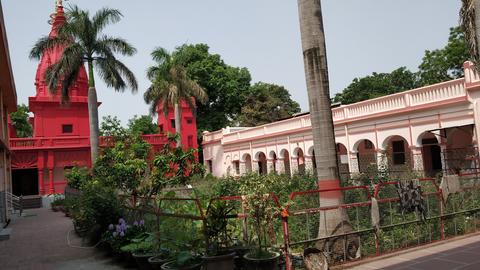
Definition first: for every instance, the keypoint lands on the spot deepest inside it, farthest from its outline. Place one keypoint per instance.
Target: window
(236, 165)
(190, 141)
(189, 120)
(67, 128)
(368, 144)
(161, 127)
(172, 123)
(398, 149)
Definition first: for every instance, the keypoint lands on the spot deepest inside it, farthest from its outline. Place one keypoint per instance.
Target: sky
(363, 36)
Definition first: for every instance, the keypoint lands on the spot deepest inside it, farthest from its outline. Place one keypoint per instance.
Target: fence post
(286, 238)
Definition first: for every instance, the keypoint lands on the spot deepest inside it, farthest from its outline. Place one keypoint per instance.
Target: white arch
(272, 155)
(296, 150)
(421, 137)
(388, 139)
(282, 153)
(244, 157)
(356, 144)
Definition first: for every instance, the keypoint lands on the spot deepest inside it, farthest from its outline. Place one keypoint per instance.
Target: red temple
(61, 132)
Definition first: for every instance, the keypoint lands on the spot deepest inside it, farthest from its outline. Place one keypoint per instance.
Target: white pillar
(353, 163)
(270, 166)
(255, 166)
(243, 168)
(293, 166)
(444, 157)
(280, 166)
(417, 159)
(382, 162)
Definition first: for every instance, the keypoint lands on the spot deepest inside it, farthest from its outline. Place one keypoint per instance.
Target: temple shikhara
(426, 130)
(61, 132)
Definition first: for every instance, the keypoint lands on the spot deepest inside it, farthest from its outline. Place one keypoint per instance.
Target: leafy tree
(143, 124)
(446, 63)
(267, 103)
(111, 126)
(83, 41)
(437, 66)
(20, 122)
(171, 85)
(227, 87)
(377, 85)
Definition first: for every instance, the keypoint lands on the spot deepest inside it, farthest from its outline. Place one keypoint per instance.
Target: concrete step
(31, 202)
(5, 234)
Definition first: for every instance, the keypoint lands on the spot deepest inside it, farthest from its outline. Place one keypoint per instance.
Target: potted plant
(217, 237)
(184, 260)
(141, 248)
(261, 212)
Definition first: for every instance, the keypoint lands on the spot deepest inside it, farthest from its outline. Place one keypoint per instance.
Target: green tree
(83, 41)
(143, 124)
(227, 87)
(171, 85)
(111, 126)
(267, 103)
(377, 85)
(447, 63)
(20, 122)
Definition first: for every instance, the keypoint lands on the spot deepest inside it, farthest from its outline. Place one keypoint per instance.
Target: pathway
(460, 253)
(39, 242)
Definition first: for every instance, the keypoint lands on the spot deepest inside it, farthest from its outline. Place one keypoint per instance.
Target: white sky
(363, 36)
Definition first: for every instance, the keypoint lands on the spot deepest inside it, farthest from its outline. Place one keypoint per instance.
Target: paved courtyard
(461, 253)
(39, 242)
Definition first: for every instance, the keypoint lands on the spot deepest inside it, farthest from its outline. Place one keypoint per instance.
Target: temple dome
(80, 87)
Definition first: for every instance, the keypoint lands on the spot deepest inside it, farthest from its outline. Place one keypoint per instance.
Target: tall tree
(142, 125)
(20, 122)
(170, 86)
(227, 87)
(316, 71)
(111, 126)
(83, 40)
(470, 20)
(267, 103)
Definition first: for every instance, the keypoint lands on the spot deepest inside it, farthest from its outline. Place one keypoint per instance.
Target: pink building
(426, 130)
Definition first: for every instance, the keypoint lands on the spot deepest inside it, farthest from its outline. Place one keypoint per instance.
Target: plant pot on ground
(141, 249)
(157, 261)
(267, 261)
(184, 260)
(219, 261)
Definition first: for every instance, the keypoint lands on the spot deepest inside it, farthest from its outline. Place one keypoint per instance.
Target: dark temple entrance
(25, 182)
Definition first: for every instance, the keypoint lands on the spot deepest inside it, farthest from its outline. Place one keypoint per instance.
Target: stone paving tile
(39, 242)
(462, 254)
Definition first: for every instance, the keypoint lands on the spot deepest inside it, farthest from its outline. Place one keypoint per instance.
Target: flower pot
(172, 266)
(219, 262)
(156, 262)
(142, 260)
(239, 253)
(269, 263)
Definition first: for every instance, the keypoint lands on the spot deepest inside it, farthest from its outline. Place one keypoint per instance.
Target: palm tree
(470, 21)
(316, 69)
(82, 41)
(170, 86)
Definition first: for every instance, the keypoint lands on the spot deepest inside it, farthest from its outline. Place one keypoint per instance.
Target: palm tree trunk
(178, 124)
(93, 114)
(470, 20)
(316, 71)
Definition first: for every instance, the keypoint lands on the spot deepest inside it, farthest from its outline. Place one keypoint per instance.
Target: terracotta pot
(262, 263)
(171, 266)
(142, 261)
(219, 262)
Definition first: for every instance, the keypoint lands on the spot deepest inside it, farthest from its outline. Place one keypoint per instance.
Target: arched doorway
(342, 159)
(262, 163)
(460, 153)
(366, 156)
(431, 154)
(286, 160)
(248, 163)
(399, 158)
(300, 160)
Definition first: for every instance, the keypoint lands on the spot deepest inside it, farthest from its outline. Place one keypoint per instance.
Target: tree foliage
(142, 125)
(111, 126)
(226, 86)
(437, 66)
(267, 103)
(20, 122)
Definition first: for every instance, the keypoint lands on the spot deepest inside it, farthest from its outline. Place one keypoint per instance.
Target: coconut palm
(470, 21)
(316, 69)
(170, 86)
(83, 41)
